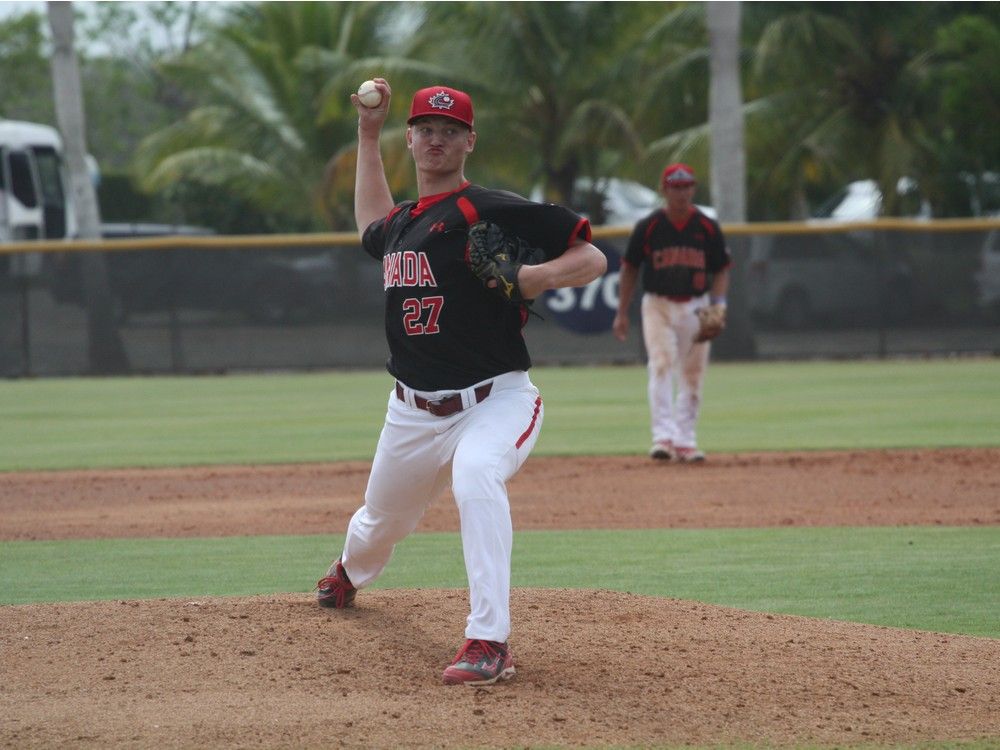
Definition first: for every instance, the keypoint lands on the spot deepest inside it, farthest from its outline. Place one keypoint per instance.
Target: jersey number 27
(413, 308)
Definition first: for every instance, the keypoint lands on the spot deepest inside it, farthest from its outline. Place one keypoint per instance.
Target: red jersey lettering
(677, 256)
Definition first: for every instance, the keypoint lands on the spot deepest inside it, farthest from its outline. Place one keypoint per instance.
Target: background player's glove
(497, 256)
(711, 321)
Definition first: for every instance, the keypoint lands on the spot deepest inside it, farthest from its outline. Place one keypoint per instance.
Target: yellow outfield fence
(342, 239)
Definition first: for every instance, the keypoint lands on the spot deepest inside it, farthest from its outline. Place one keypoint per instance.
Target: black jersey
(677, 260)
(445, 330)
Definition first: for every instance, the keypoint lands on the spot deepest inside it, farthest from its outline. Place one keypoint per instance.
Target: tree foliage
(551, 82)
(25, 83)
(966, 81)
(127, 100)
(250, 107)
(272, 85)
(847, 90)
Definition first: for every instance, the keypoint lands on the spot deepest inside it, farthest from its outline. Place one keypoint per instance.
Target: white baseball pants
(476, 451)
(676, 367)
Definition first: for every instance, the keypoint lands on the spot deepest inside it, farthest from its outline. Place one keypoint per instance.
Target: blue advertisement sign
(588, 309)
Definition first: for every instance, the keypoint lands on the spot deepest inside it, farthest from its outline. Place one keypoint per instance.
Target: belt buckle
(434, 405)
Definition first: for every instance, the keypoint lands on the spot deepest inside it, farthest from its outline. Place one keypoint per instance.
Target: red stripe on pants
(531, 426)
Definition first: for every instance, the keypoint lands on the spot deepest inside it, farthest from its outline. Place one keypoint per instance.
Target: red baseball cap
(443, 102)
(678, 174)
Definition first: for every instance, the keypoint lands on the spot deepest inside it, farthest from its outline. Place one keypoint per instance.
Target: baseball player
(685, 278)
(462, 410)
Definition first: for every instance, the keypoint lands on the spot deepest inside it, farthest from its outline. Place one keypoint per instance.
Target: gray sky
(17, 7)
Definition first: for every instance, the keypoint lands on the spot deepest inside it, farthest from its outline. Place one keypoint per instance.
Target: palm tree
(835, 93)
(843, 90)
(728, 161)
(106, 354)
(554, 85)
(674, 84)
(273, 86)
(964, 82)
(725, 112)
(558, 81)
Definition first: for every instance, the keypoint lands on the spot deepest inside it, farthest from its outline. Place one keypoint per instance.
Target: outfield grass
(163, 421)
(784, 406)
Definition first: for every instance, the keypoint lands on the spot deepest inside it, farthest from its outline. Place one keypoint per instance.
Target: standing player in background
(685, 277)
(462, 411)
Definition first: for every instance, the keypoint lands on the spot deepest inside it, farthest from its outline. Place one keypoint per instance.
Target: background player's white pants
(676, 367)
(476, 450)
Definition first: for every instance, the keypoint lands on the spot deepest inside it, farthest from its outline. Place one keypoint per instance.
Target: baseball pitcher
(460, 267)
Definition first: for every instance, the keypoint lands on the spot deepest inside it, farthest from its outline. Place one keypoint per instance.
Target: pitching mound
(594, 668)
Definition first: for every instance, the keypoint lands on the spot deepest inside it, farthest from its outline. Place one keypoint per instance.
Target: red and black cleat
(480, 663)
(336, 590)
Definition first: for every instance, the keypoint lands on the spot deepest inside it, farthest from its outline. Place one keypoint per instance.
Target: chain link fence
(197, 303)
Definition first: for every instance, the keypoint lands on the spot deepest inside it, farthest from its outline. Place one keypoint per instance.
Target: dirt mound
(594, 668)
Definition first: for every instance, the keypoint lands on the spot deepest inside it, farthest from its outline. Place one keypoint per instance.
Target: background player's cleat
(663, 450)
(336, 590)
(689, 455)
(480, 663)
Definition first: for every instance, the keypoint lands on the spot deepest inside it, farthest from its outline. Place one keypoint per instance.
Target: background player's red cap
(443, 102)
(678, 174)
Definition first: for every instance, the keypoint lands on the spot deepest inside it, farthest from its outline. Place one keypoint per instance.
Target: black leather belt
(444, 407)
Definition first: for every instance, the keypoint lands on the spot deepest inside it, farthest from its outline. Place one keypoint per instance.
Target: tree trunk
(728, 166)
(105, 352)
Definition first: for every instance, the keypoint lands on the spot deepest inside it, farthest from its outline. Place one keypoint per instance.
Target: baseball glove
(711, 321)
(496, 256)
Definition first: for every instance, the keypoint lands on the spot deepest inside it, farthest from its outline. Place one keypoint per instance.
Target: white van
(34, 195)
(34, 191)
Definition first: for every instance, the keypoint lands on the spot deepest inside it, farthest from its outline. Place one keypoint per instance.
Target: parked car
(266, 286)
(799, 280)
(862, 201)
(613, 201)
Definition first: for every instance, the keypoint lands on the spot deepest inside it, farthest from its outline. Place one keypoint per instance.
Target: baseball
(369, 95)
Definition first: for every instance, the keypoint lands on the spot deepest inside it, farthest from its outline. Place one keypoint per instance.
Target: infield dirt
(595, 668)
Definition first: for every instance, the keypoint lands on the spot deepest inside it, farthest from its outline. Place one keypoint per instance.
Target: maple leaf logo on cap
(441, 100)
(681, 175)
(678, 174)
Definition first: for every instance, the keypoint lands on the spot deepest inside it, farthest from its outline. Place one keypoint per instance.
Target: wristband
(718, 300)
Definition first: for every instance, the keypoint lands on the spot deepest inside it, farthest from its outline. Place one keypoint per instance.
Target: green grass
(166, 421)
(941, 579)
(79, 423)
(784, 406)
(983, 744)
